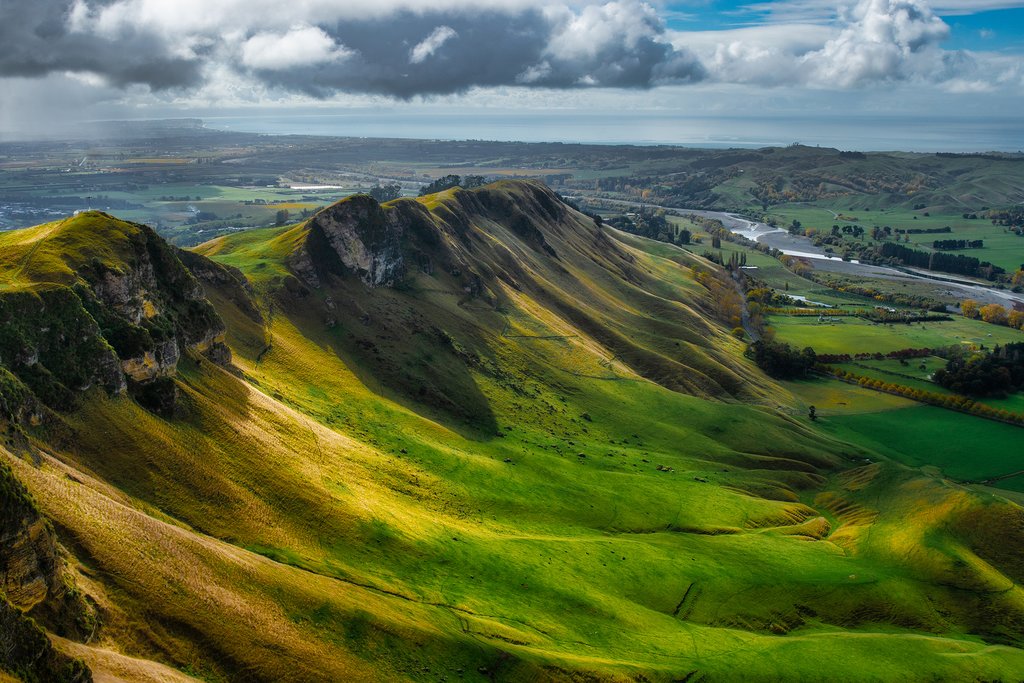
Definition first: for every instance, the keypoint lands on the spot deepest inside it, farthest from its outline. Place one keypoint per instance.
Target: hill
(759, 179)
(471, 436)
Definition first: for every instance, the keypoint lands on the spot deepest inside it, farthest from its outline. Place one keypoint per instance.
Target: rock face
(121, 322)
(353, 236)
(154, 309)
(51, 342)
(380, 245)
(33, 577)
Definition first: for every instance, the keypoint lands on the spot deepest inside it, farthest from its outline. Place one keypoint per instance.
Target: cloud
(431, 44)
(322, 47)
(883, 40)
(619, 44)
(868, 43)
(403, 49)
(823, 11)
(300, 46)
(41, 37)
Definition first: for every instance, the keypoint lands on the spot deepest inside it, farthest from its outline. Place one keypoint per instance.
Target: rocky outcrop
(51, 342)
(33, 575)
(355, 236)
(120, 322)
(381, 245)
(153, 308)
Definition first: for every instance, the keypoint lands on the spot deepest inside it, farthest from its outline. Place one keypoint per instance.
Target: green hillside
(473, 436)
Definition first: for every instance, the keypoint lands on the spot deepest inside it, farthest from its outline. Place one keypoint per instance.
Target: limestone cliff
(103, 302)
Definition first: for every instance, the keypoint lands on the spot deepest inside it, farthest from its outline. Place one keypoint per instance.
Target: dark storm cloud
(479, 50)
(36, 39)
(401, 53)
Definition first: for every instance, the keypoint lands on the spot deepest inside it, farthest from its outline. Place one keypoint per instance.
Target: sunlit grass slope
(565, 470)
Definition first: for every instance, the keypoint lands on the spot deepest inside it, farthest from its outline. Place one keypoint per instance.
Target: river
(802, 247)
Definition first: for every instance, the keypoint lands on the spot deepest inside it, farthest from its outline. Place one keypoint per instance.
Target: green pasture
(1003, 248)
(855, 335)
(964, 447)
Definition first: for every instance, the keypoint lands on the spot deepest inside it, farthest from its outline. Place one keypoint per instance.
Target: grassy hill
(476, 436)
(821, 176)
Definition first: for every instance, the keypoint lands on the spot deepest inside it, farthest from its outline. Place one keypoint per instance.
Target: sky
(861, 74)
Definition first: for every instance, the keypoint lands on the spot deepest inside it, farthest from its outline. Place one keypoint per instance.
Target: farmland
(521, 444)
(855, 335)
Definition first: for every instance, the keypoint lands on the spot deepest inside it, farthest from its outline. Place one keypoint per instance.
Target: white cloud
(300, 46)
(824, 11)
(962, 7)
(266, 50)
(431, 44)
(884, 40)
(869, 43)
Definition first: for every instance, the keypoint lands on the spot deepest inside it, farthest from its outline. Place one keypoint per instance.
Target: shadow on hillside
(397, 353)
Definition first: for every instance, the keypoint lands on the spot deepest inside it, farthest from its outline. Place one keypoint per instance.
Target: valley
(481, 435)
(518, 341)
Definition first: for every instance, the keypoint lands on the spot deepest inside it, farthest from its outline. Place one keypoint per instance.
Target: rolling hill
(472, 436)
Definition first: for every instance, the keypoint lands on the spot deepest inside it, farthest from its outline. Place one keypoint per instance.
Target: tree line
(992, 313)
(946, 263)
(952, 245)
(955, 402)
(997, 373)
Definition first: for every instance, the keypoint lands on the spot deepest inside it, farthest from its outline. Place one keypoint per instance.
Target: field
(855, 335)
(917, 374)
(836, 398)
(573, 475)
(963, 447)
(1002, 247)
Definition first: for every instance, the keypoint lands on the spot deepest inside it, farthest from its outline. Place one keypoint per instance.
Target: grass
(964, 447)
(855, 335)
(315, 515)
(1002, 248)
(835, 398)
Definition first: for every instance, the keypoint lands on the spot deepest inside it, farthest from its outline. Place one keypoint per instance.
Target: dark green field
(963, 447)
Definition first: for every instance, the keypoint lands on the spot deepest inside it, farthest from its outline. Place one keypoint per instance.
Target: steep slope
(478, 436)
(35, 582)
(95, 301)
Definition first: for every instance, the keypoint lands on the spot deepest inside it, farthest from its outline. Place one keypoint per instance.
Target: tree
(993, 313)
(781, 360)
(1015, 319)
(812, 413)
(386, 193)
(969, 308)
(281, 217)
(441, 184)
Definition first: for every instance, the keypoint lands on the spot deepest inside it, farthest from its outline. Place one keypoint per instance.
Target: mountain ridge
(542, 465)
